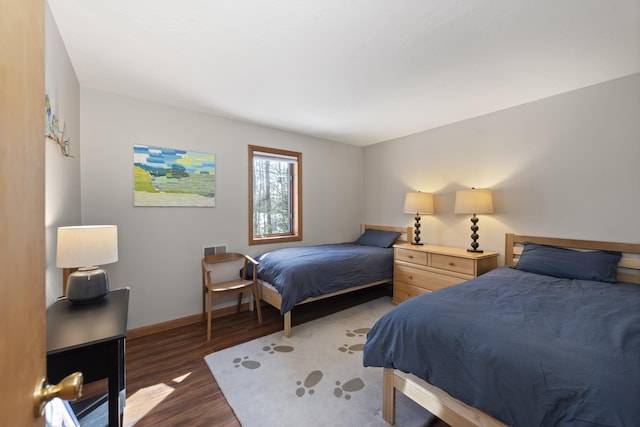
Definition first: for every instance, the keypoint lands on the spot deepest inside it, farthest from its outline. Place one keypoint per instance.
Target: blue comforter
(528, 349)
(310, 271)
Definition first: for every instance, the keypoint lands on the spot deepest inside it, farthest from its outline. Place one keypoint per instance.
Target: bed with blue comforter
(528, 349)
(296, 275)
(310, 271)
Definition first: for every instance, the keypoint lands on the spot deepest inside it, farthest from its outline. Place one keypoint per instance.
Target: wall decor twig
(52, 129)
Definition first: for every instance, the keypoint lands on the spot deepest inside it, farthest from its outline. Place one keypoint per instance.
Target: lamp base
(416, 231)
(87, 286)
(474, 235)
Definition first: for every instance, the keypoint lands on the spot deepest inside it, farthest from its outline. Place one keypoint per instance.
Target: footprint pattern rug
(314, 378)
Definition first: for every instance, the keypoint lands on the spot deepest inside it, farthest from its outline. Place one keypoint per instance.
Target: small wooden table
(90, 338)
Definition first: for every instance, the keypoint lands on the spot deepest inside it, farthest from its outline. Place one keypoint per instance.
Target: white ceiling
(354, 71)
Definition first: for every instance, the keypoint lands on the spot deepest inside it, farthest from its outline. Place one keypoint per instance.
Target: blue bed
(311, 271)
(296, 275)
(522, 348)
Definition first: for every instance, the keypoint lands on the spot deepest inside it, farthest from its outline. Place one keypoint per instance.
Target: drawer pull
(452, 264)
(410, 257)
(411, 277)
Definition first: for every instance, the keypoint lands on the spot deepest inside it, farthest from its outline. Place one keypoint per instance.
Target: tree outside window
(275, 203)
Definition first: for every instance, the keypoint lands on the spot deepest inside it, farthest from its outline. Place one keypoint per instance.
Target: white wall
(160, 248)
(565, 166)
(62, 174)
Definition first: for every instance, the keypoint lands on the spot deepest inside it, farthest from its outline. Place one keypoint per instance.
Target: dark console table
(90, 338)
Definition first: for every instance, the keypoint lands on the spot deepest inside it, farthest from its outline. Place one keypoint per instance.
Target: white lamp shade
(474, 201)
(87, 245)
(418, 203)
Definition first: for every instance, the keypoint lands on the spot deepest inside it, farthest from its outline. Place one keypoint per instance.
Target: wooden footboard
(439, 403)
(271, 296)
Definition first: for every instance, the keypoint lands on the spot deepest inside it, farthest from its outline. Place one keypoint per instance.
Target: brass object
(70, 388)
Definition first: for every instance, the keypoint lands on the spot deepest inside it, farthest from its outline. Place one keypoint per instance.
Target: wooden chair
(240, 285)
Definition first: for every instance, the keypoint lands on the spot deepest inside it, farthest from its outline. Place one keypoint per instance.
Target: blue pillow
(568, 263)
(379, 238)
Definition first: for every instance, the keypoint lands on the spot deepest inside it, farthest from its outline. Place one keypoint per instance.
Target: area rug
(314, 378)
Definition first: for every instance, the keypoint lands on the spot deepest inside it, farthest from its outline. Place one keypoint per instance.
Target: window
(275, 195)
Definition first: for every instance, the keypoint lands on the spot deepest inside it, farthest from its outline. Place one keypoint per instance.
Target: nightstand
(91, 338)
(424, 268)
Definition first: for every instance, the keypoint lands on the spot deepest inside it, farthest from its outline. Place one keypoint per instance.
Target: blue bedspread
(310, 271)
(528, 349)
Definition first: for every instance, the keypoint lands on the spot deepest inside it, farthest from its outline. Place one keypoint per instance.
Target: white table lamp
(474, 201)
(86, 247)
(418, 203)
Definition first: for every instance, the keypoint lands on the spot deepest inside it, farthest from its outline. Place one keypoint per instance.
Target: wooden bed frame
(271, 295)
(453, 411)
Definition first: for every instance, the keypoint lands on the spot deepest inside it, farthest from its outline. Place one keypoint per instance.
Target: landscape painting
(173, 177)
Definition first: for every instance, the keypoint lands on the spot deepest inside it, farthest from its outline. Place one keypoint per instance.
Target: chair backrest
(214, 259)
(222, 258)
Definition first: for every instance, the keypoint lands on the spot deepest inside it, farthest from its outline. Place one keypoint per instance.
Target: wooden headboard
(628, 267)
(406, 233)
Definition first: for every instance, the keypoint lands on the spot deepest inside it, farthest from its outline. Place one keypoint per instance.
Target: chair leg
(209, 317)
(256, 301)
(204, 304)
(205, 290)
(239, 302)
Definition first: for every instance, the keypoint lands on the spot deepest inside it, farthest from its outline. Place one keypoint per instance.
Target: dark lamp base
(87, 286)
(477, 251)
(417, 243)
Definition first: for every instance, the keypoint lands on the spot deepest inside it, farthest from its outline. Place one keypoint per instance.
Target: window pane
(271, 197)
(275, 195)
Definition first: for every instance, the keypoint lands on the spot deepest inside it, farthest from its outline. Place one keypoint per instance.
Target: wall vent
(214, 250)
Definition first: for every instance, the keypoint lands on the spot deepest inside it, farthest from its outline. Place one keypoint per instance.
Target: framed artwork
(173, 177)
(52, 129)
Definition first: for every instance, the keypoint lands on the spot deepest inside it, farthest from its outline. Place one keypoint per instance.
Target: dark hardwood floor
(168, 382)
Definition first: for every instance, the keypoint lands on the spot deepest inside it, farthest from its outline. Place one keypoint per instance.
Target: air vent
(214, 250)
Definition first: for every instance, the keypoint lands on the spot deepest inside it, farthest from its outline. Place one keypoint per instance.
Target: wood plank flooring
(168, 382)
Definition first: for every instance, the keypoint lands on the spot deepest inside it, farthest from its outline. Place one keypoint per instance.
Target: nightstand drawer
(412, 276)
(425, 268)
(452, 263)
(413, 257)
(404, 291)
(424, 279)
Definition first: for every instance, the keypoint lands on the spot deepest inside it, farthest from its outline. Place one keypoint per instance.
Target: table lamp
(474, 201)
(86, 247)
(418, 203)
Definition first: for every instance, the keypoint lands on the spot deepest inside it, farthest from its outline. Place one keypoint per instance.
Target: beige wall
(160, 248)
(62, 174)
(565, 166)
